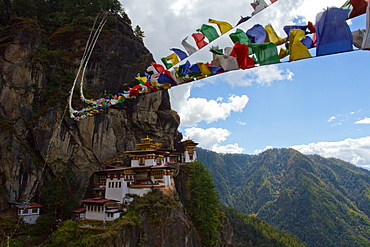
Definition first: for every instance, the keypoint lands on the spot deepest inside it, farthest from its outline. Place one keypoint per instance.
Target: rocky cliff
(37, 68)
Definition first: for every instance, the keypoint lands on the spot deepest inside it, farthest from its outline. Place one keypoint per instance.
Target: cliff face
(37, 69)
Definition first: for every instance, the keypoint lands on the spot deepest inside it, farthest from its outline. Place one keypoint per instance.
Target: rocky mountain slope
(325, 202)
(37, 68)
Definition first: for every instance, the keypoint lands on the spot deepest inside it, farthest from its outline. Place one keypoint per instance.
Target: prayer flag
(297, 49)
(151, 70)
(358, 38)
(217, 51)
(243, 19)
(287, 29)
(164, 78)
(188, 47)
(216, 69)
(209, 31)
(333, 34)
(283, 53)
(194, 71)
(222, 25)
(166, 64)
(266, 53)
(228, 50)
(258, 5)
(181, 54)
(226, 62)
(173, 58)
(199, 40)
(307, 41)
(204, 69)
(358, 8)
(366, 41)
(257, 34)
(158, 67)
(184, 69)
(177, 79)
(239, 36)
(272, 36)
(240, 51)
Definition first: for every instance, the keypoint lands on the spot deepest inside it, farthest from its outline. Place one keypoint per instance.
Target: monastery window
(128, 184)
(141, 161)
(190, 156)
(25, 211)
(119, 184)
(159, 161)
(35, 210)
(158, 174)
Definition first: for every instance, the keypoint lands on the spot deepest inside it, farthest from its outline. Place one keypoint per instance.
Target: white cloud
(263, 76)
(229, 149)
(331, 119)
(364, 121)
(211, 138)
(195, 110)
(241, 122)
(355, 151)
(258, 151)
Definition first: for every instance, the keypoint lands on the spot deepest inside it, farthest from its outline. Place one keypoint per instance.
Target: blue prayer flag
(181, 54)
(257, 34)
(333, 34)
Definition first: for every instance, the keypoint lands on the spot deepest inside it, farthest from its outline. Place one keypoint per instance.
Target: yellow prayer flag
(166, 86)
(173, 58)
(222, 25)
(297, 49)
(272, 36)
(283, 53)
(142, 78)
(204, 69)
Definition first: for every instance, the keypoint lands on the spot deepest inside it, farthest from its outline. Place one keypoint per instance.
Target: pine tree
(204, 205)
(138, 32)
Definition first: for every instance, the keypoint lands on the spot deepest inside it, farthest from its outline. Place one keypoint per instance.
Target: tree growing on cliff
(138, 32)
(203, 207)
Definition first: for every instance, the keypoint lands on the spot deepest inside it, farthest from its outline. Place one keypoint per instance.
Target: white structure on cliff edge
(151, 168)
(28, 212)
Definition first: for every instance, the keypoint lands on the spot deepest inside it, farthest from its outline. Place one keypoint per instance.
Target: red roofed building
(29, 212)
(151, 168)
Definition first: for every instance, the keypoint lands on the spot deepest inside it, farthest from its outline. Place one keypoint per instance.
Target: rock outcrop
(36, 73)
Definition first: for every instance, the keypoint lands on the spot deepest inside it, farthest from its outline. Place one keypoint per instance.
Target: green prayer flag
(209, 31)
(217, 51)
(266, 53)
(166, 64)
(239, 36)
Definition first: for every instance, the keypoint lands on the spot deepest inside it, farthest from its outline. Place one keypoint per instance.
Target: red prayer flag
(358, 8)
(199, 40)
(158, 67)
(240, 51)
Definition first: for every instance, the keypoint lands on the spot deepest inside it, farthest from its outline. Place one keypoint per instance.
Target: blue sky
(318, 105)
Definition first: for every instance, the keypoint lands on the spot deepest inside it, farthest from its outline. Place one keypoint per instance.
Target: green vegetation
(55, 13)
(57, 195)
(138, 32)
(251, 231)
(325, 202)
(153, 207)
(203, 204)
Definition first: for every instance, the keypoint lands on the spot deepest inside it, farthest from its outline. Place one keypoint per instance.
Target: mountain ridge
(323, 201)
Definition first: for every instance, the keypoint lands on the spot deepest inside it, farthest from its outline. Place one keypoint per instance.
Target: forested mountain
(325, 202)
